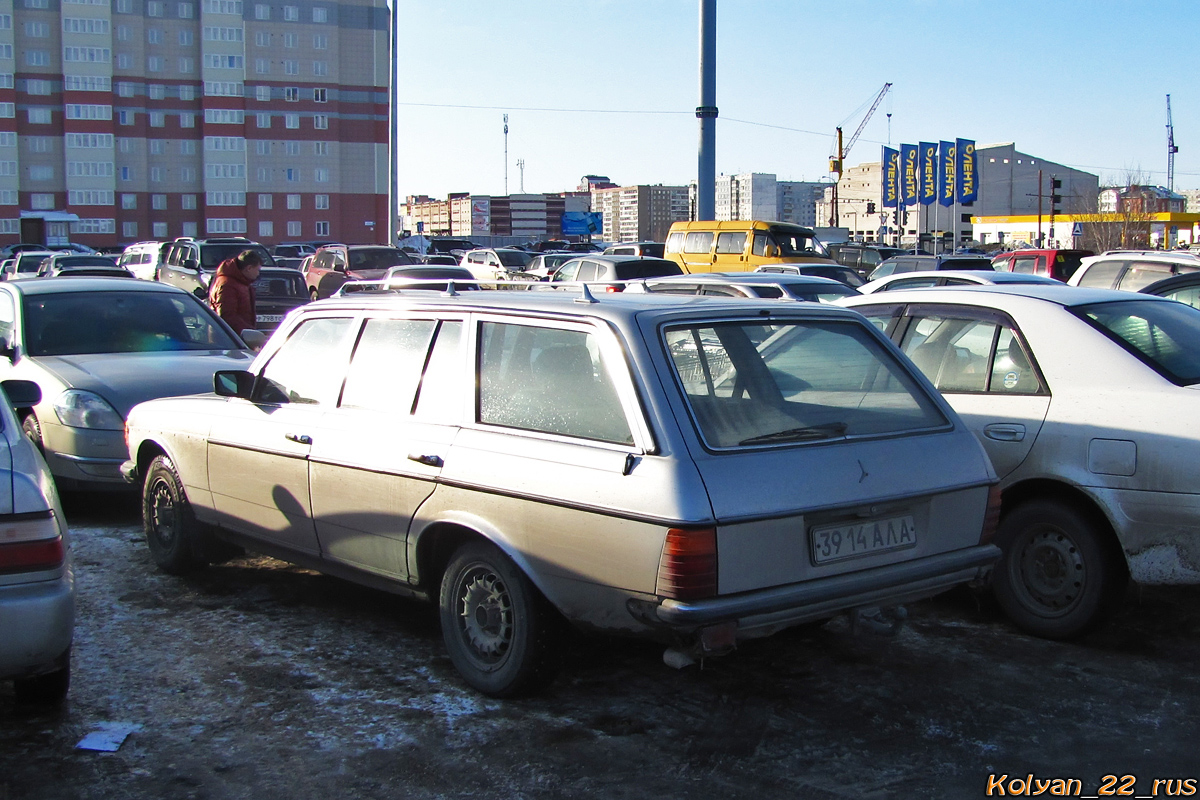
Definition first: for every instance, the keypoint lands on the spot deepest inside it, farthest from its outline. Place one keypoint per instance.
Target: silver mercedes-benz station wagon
(696, 470)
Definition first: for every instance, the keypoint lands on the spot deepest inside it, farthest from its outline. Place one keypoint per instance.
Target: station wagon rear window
(757, 384)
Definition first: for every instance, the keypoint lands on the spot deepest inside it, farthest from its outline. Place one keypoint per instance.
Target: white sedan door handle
(299, 438)
(1005, 432)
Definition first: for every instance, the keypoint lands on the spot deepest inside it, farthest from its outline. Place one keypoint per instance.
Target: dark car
(612, 269)
(437, 259)
(63, 264)
(1184, 287)
(911, 262)
(335, 264)
(191, 264)
(838, 273)
(863, 258)
(276, 292)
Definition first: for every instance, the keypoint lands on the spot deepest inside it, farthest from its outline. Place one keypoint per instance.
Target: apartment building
(640, 213)
(135, 119)
(523, 217)
(761, 195)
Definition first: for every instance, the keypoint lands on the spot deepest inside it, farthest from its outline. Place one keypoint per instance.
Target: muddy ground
(259, 680)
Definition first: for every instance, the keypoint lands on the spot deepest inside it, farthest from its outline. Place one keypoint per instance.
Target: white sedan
(950, 277)
(1086, 401)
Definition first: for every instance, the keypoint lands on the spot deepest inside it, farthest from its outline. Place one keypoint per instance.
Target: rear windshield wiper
(805, 434)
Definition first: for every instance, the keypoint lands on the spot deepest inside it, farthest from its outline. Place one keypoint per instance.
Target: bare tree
(1127, 227)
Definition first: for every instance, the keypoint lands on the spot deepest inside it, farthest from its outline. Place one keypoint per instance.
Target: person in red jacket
(231, 293)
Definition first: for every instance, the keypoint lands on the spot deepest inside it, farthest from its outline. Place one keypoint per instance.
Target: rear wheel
(172, 531)
(312, 293)
(48, 689)
(1058, 575)
(501, 633)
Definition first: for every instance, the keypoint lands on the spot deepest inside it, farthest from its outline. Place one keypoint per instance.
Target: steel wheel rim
(162, 513)
(485, 615)
(1049, 571)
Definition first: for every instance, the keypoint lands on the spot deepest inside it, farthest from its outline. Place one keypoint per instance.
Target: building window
(320, 148)
(262, 93)
(158, 91)
(154, 36)
(264, 201)
(87, 111)
(320, 41)
(262, 66)
(291, 94)
(262, 11)
(262, 147)
(41, 173)
(187, 202)
(319, 95)
(129, 230)
(187, 175)
(226, 225)
(122, 33)
(154, 8)
(125, 117)
(291, 174)
(187, 66)
(37, 30)
(291, 67)
(322, 202)
(127, 146)
(320, 68)
(321, 121)
(37, 144)
(185, 38)
(291, 148)
(155, 64)
(37, 86)
(289, 120)
(187, 119)
(291, 13)
(187, 147)
(187, 92)
(266, 229)
(322, 229)
(160, 230)
(37, 58)
(90, 197)
(189, 229)
(157, 147)
(124, 6)
(8, 110)
(158, 119)
(187, 11)
(125, 173)
(262, 39)
(293, 203)
(264, 120)
(290, 40)
(158, 202)
(264, 175)
(39, 116)
(124, 89)
(156, 174)
(295, 229)
(320, 14)
(321, 175)
(39, 201)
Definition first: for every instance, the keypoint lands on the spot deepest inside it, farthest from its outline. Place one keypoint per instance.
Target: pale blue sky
(1079, 82)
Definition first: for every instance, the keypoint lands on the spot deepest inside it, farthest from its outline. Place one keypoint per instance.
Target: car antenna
(450, 290)
(585, 295)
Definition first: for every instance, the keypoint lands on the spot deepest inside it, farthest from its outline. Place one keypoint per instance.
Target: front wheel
(1058, 576)
(498, 628)
(172, 531)
(33, 430)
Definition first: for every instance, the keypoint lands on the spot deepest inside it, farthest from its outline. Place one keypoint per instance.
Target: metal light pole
(393, 211)
(506, 155)
(706, 172)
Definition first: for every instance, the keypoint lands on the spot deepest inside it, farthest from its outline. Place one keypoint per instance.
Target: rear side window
(966, 354)
(675, 242)
(700, 242)
(759, 246)
(1166, 336)
(548, 380)
(1144, 273)
(730, 243)
(755, 384)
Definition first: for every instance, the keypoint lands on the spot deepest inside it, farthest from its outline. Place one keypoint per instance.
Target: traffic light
(1055, 199)
(870, 208)
(896, 218)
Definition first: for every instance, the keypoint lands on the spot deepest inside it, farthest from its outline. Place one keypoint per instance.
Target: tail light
(611, 288)
(687, 569)
(991, 517)
(30, 542)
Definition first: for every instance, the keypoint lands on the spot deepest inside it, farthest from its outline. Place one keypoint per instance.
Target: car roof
(991, 294)
(616, 259)
(756, 278)
(1181, 281)
(978, 276)
(89, 284)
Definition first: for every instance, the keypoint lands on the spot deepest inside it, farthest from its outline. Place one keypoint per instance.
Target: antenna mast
(1171, 149)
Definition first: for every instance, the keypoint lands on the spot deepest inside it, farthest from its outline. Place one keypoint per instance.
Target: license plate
(270, 317)
(854, 539)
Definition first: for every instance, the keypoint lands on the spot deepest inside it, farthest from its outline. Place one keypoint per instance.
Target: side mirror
(339, 266)
(22, 394)
(191, 263)
(233, 383)
(254, 339)
(200, 294)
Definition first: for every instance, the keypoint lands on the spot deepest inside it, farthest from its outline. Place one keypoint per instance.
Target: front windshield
(754, 383)
(119, 322)
(1166, 336)
(378, 258)
(797, 242)
(70, 262)
(211, 255)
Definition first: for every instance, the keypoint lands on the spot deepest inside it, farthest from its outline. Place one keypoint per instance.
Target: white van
(142, 259)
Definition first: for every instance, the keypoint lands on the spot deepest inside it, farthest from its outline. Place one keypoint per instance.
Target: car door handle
(427, 460)
(1005, 432)
(299, 438)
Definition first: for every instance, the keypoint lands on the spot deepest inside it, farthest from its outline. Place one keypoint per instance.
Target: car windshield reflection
(114, 322)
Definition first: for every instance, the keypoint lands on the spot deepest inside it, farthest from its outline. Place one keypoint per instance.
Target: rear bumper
(780, 605)
(37, 621)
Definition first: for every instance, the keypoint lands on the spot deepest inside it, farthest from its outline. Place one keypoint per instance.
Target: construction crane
(836, 162)
(1171, 149)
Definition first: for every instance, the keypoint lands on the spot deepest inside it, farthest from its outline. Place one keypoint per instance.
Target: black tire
(1059, 574)
(313, 294)
(33, 431)
(172, 532)
(49, 689)
(500, 631)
